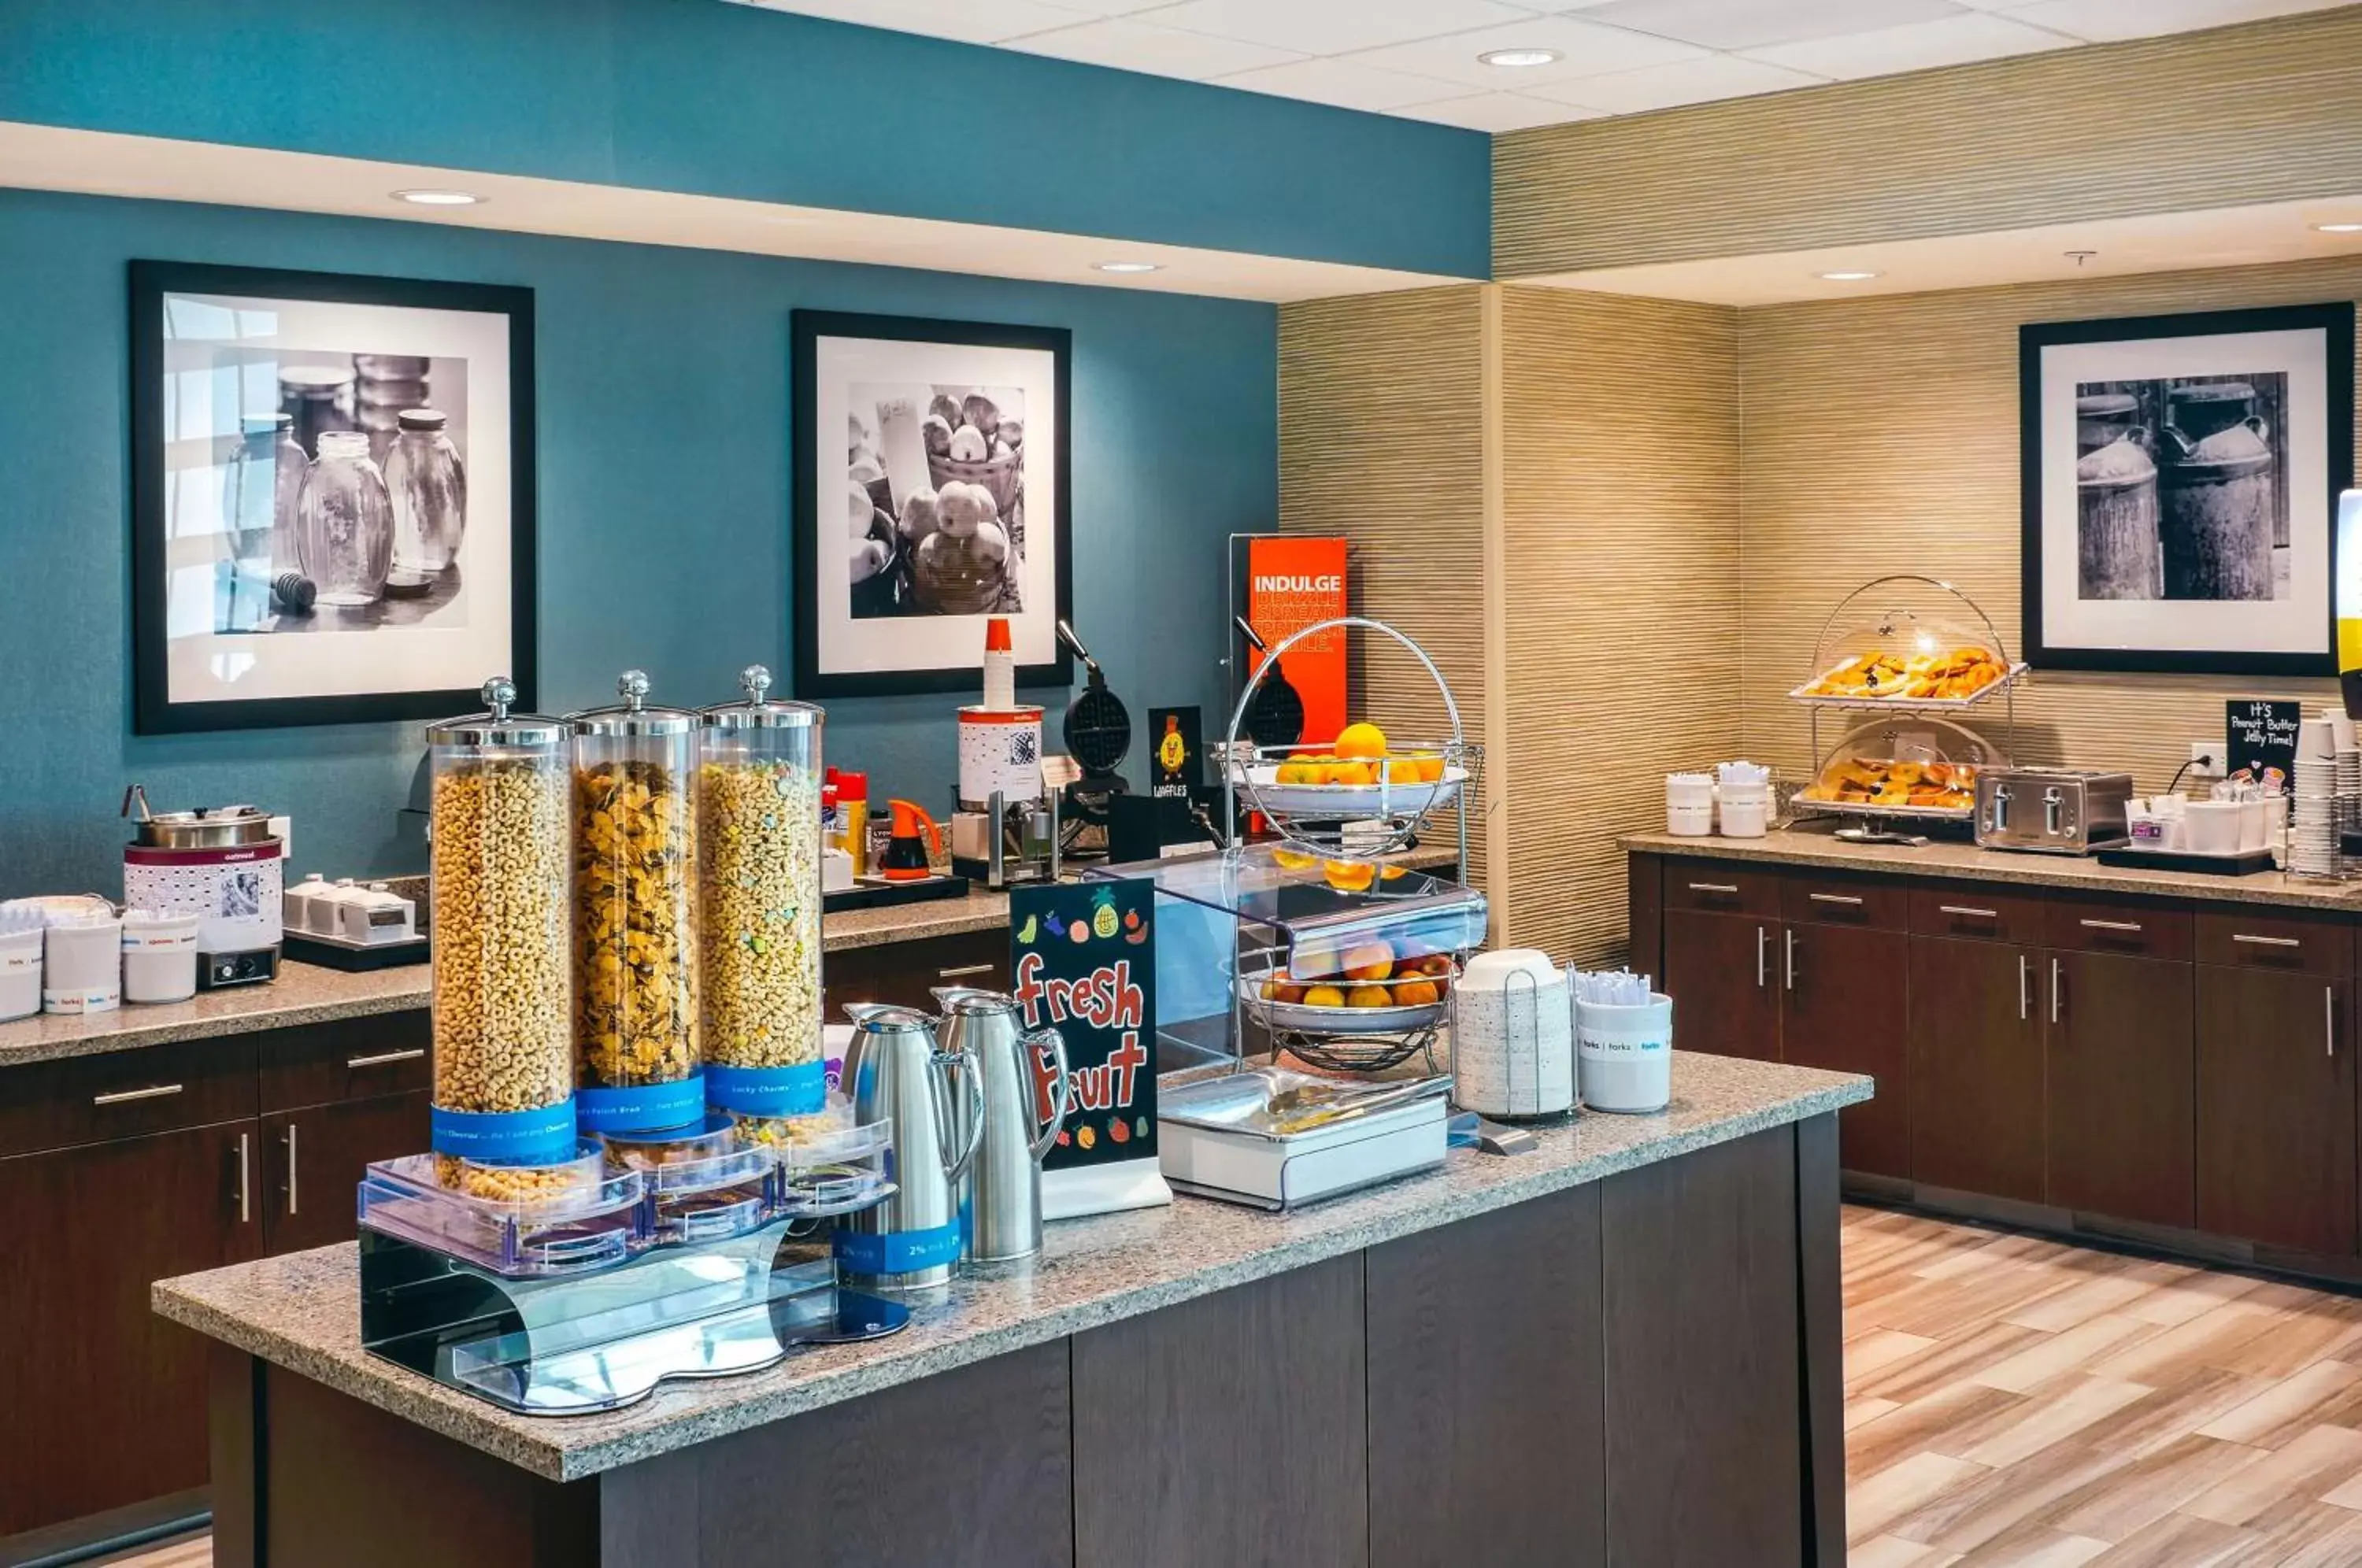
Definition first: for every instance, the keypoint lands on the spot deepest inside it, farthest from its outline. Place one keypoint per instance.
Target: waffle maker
(1097, 733)
(1277, 719)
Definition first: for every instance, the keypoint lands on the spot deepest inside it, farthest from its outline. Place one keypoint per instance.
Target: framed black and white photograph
(931, 473)
(2181, 477)
(332, 496)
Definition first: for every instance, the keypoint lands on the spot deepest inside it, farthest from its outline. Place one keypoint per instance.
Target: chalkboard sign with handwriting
(2262, 735)
(1084, 962)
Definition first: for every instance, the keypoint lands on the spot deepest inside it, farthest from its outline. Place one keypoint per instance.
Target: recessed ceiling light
(1127, 266)
(1518, 58)
(2339, 227)
(439, 198)
(1846, 277)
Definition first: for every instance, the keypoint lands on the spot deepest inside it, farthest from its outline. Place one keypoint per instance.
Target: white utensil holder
(20, 974)
(1626, 1054)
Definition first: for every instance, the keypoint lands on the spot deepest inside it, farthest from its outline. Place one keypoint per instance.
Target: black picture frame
(807, 327)
(154, 711)
(2335, 322)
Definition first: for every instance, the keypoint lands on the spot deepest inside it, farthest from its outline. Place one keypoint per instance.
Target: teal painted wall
(720, 99)
(663, 453)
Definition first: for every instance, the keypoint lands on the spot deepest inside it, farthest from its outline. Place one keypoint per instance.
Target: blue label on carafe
(898, 1251)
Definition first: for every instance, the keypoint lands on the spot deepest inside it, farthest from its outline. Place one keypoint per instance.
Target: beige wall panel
(2238, 115)
(1381, 442)
(1622, 555)
(1881, 435)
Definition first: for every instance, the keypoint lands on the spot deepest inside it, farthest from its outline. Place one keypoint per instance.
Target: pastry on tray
(1896, 785)
(1961, 672)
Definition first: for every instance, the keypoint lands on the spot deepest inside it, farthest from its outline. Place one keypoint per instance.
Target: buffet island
(1623, 1346)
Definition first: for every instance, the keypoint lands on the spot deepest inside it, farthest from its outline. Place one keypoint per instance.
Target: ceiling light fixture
(428, 198)
(2339, 227)
(1127, 266)
(1516, 58)
(1846, 277)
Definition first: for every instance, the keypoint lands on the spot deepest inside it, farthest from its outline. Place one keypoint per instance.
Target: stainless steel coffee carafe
(895, 1072)
(1001, 1194)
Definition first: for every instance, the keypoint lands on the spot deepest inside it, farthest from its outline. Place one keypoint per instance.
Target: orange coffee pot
(905, 859)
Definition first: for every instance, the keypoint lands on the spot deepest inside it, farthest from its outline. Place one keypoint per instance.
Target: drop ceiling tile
(1496, 112)
(970, 21)
(1956, 41)
(1335, 26)
(1343, 83)
(1584, 48)
(1684, 82)
(2107, 19)
(1130, 45)
(1755, 24)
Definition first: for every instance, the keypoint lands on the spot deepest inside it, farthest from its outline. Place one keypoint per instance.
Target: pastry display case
(1901, 659)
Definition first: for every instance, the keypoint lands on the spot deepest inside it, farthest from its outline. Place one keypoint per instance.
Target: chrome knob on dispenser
(1001, 1193)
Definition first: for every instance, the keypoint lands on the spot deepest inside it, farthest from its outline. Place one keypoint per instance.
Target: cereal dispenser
(503, 1049)
(635, 1009)
(759, 782)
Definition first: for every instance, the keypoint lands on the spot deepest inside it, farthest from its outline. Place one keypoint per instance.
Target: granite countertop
(1818, 848)
(306, 993)
(302, 1311)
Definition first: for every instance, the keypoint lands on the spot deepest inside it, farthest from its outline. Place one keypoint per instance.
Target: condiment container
(1626, 1054)
(758, 826)
(853, 819)
(81, 963)
(296, 907)
(1689, 804)
(503, 1081)
(2212, 827)
(635, 1007)
(159, 956)
(20, 962)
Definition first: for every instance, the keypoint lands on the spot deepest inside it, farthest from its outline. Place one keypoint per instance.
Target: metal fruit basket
(1347, 1039)
(1379, 817)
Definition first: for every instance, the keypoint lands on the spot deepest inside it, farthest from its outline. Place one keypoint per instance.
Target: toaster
(2052, 811)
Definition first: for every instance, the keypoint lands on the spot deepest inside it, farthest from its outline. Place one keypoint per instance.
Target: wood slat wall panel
(1623, 555)
(1381, 442)
(1881, 435)
(2229, 118)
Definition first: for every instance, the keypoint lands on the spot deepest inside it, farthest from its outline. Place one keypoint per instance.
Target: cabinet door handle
(1792, 960)
(2131, 925)
(245, 1191)
(1968, 911)
(2057, 989)
(964, 970)
(291, 1167)
(1730, 887)
(125, 1096)
(1763, 945)
(2024, 987)
(2266, 941)
(1834, 899)
(384, 1058)
(2329, 1022)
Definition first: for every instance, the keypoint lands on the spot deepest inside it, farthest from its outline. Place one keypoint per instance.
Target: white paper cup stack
(2313, 814)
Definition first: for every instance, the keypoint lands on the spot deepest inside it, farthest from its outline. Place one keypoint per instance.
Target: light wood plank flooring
(2013, 1400)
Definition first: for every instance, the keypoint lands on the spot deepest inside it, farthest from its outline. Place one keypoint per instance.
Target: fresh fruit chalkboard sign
(1083, 959)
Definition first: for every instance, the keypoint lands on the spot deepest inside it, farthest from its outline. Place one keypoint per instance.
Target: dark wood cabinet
(105, 1401)
(314, 1158)
(905, 973)
(1842, 1005)
(1719, 970)
(2120, 1081)
(2276, 1109)
(1975, 1038)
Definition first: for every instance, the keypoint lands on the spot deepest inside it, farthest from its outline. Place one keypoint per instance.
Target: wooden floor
(2013, 1400)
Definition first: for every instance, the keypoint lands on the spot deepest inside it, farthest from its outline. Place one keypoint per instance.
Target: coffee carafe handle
(971, 1073)
(1056, 1043)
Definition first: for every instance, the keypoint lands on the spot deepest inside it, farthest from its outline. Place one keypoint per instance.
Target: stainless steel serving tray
(1240, 1102)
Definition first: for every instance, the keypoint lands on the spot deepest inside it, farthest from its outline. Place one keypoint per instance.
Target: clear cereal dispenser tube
(503, 1079)
(758, 779)
(635, 1015)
